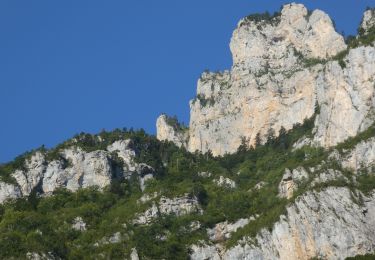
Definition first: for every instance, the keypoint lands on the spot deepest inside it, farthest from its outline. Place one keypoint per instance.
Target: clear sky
(87, 65)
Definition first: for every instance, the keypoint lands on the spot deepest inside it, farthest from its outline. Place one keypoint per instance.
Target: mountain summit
(286, 67)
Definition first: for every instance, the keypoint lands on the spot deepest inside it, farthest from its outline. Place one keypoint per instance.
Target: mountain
(285, 67)
(278, 162)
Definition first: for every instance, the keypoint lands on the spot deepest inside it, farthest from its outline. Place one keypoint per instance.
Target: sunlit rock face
(167, 131)
(178, 206)
(368, 21)
(8, 191)
(74, 169)
(346, 97)
(277, 81)
(311, 229)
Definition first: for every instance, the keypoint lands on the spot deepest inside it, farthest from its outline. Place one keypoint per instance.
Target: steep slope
(284, 68)
(85, 161)
(272, 202)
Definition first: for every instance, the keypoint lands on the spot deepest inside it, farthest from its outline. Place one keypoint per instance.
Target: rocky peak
(368, 21)
(168, 128)
(261, 41)
(285, 67)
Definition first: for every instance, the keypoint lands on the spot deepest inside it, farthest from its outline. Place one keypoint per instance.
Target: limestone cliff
(310, 229)
(285, 67)
(171, 130)
(75, 168)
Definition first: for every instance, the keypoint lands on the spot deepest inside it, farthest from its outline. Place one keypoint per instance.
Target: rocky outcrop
(75, 169)
(346, 97)
(9, 191)
(123, 149)
(39, 256)
(204, 174)
(290, 181)
(312, 34)
(169, 129)
(31, 176)
(225, 182)
(134, 254)
(368, 21)
(113, 239)
(204, 251)
(178, 206)
(84, 170)
(259, 185)
(222, 231)
(88, 169)
(362, 157)
(328, 224)
(147, 197)
(79, 224)
(278, 79)
(328, 176)
(147, 216)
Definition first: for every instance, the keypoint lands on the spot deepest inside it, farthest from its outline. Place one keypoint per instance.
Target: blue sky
(71, 66)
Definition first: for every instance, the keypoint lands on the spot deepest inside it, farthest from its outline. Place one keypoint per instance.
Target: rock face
(368, 21)
(225, 182)
(79, 224)
(178, 206)
(222, 231)
(31, 177)
(327, 176)
(134, 254)
(39, 256)
(146, 217)
(209, 252)
(123, 150)
(290, 181)
(170, 132)
(273, 84)
(361, 157)
(346, 97)
(87, 169)
(8, 191)
(310, 229)
(76, 169)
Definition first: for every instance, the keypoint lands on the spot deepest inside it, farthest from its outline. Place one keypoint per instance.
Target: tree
(271, 137)
(244, 145)
(282, 139)
(258, 140)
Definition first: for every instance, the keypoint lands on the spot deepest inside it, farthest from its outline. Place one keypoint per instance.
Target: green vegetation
(44, 224)
(205, 101)
(173, 121)
(362, 257)
(363, 39)
(313, 61)
(274, 19)
(17, 164)
(352, 141)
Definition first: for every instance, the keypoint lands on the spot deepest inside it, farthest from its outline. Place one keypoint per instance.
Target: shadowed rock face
(273, 85)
